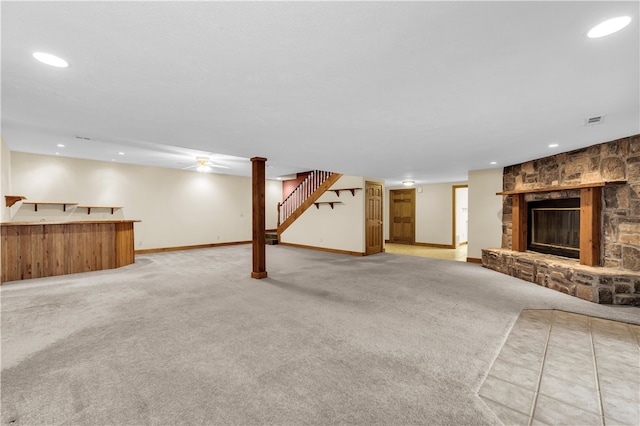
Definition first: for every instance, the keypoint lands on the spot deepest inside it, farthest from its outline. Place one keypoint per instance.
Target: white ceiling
(392, 90)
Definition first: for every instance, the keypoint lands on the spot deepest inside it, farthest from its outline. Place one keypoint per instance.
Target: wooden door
(374, 222)
(402, 216)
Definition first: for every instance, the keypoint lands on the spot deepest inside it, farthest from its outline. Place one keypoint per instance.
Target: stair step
(271, 238)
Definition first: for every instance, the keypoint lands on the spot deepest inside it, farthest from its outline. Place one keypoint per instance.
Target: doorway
(402, 212)
(460, 220)
(373, 211)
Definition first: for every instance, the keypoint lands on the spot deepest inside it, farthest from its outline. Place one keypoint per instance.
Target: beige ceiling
(391, 90)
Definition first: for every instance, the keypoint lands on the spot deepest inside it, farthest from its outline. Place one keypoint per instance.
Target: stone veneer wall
(618, 160)
(618, 281)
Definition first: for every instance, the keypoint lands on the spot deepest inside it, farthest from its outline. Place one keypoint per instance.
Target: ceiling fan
(204, 165)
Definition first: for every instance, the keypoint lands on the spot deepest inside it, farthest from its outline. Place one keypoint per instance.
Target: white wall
(485, 211)
(5, 178)
(434, 214)
(176, 207)
(342, 228)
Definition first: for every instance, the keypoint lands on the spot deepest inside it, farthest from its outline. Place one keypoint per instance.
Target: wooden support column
(258, 197)
(519, 223)
(590, 225)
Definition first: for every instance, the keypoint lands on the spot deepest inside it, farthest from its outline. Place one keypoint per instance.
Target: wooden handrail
(311, 200)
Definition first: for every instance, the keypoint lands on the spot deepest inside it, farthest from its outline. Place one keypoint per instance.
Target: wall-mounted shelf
(10, 200)
(63, 204)
(112, 208)
(352, 190)
(331, 203)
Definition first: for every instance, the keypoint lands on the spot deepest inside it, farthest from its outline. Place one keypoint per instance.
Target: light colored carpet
(189, 338)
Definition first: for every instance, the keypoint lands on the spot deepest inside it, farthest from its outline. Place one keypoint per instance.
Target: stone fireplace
(585, 207)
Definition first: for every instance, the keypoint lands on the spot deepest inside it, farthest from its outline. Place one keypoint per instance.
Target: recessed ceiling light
(57, 153)
(494, 162)
(60, 145)
(553, 145)
(609, 26)
(121, 153)
(408, 182)
(49, 59)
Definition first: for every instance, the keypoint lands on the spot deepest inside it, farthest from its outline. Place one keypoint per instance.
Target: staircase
(304, 196)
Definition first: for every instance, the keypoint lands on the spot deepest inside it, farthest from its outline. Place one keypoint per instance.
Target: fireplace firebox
(554, 227)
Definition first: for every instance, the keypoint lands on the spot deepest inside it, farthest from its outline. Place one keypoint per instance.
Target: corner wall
(485, 211)
(341, 228)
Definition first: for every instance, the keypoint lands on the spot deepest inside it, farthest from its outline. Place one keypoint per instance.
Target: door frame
(453, 215)
(413, 213)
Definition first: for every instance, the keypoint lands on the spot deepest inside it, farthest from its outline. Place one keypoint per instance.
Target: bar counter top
(67, 222)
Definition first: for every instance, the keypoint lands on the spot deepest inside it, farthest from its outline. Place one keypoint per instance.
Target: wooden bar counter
(43, 249)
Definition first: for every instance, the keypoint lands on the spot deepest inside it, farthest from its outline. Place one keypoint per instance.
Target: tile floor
(559, 368)
(458, 254)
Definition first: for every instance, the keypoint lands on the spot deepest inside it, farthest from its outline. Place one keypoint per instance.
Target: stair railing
(302, 192)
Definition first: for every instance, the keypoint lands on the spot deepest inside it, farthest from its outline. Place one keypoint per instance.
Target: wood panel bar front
(44, 249)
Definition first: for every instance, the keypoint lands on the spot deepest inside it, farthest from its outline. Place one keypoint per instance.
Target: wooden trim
(66, 222)
(442, 246)
(330, 250)
(590, 226)
(309, 201)
(194, 247)
(562, 188)
(519, 223)
(474, 260)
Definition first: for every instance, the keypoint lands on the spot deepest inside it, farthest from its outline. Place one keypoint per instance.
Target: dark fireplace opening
(554, 227)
